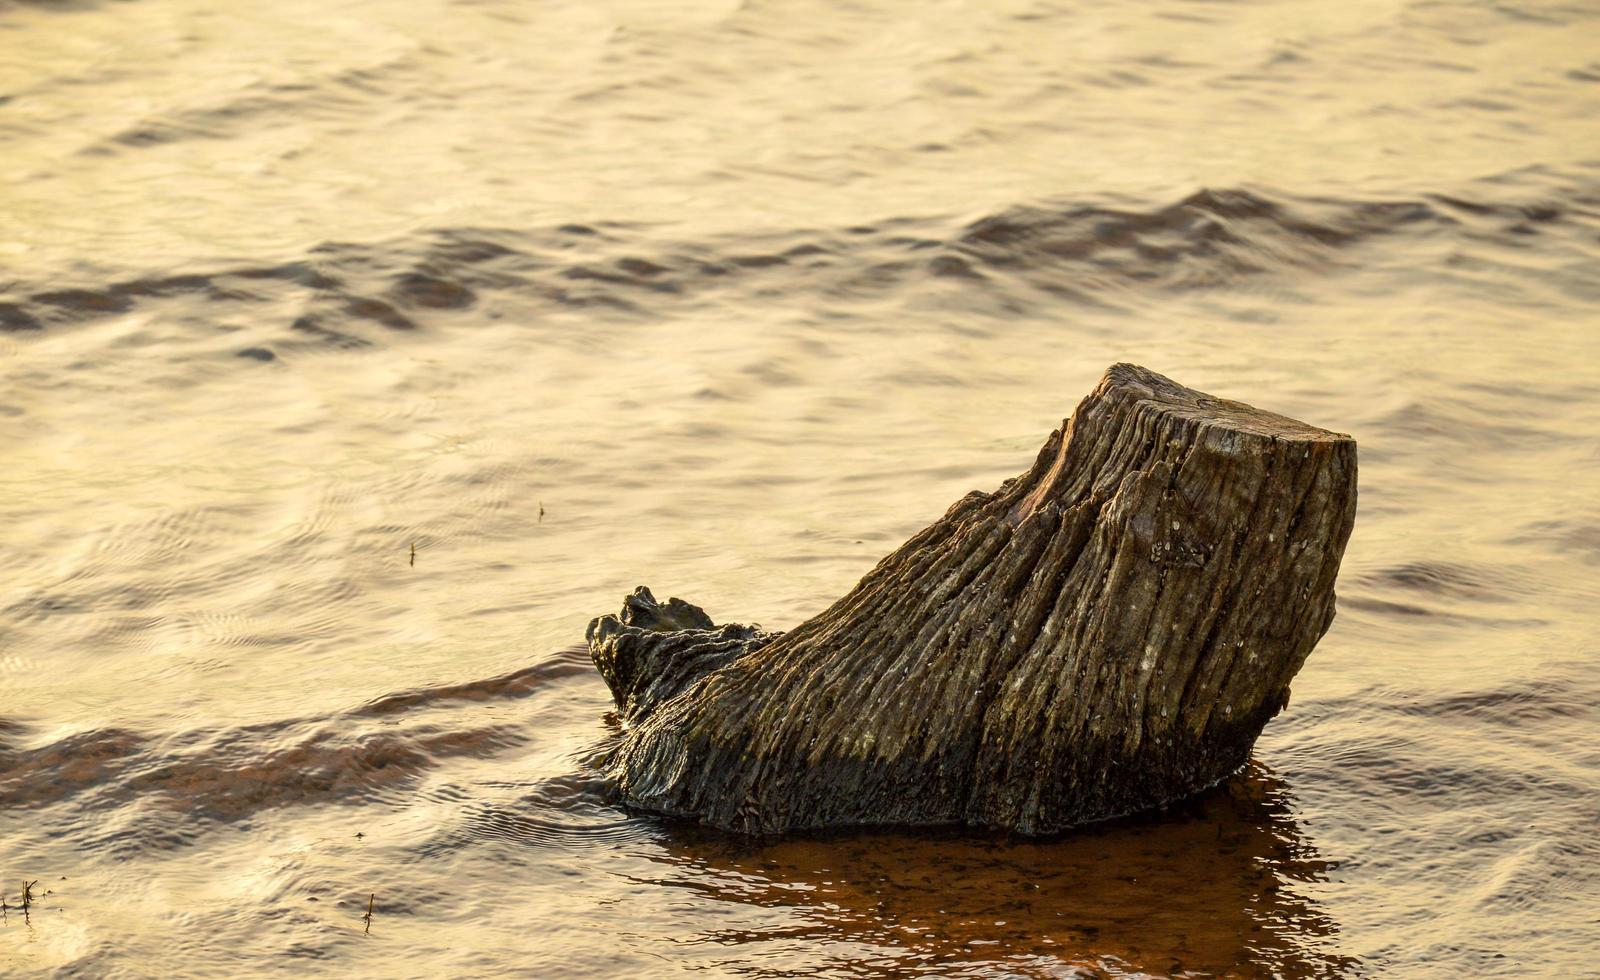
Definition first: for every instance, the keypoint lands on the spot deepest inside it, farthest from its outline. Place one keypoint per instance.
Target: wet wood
(1103, 634)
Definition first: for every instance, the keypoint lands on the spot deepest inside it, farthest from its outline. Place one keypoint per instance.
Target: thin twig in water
(413, 554)
(370, 899)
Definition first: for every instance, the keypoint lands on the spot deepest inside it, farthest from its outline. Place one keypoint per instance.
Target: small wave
(1448, 593)
(573, 662)
(514, 825)
(345, 296)
(234, 773)
(1433, 424)
(1446, 580)
(1575, 536)
(573, 810)
(165, 792)
(1530, 703)
(33, 778)
(1431, 615)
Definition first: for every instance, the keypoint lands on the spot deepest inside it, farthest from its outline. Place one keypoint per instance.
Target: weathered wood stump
(1105, 633)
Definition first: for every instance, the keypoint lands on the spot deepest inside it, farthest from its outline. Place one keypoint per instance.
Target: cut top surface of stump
(1106, 632)
(1136, 420)
(1165, 395)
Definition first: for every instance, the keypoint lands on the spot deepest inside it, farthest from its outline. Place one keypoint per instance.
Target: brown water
(728, 299)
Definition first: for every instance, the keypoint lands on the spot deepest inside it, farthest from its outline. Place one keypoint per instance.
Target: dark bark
(1105, 633)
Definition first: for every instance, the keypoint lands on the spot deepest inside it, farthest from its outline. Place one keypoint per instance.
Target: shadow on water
(1205, 888)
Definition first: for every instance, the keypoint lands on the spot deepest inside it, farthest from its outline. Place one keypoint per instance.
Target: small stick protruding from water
(541, 512)
(370, 899)
(413, 554)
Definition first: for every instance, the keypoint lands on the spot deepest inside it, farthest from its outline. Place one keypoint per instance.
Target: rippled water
(728, 299)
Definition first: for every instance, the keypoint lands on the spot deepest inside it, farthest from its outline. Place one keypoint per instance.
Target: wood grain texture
(1105, 633)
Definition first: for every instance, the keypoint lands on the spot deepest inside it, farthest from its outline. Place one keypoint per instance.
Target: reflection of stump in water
(1105, 633)
(1207, 889)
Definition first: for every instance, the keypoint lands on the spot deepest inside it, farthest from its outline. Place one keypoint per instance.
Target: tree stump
(1106, 633)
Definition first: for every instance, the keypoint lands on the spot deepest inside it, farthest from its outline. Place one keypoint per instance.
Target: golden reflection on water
(1195, 892)
(728, 299)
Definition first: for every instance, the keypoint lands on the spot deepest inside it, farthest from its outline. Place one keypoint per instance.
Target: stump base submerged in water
(1105, 633)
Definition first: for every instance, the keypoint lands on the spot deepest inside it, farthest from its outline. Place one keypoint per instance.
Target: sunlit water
(728, 299)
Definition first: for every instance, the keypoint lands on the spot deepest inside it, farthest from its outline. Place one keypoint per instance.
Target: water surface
(729, 299)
